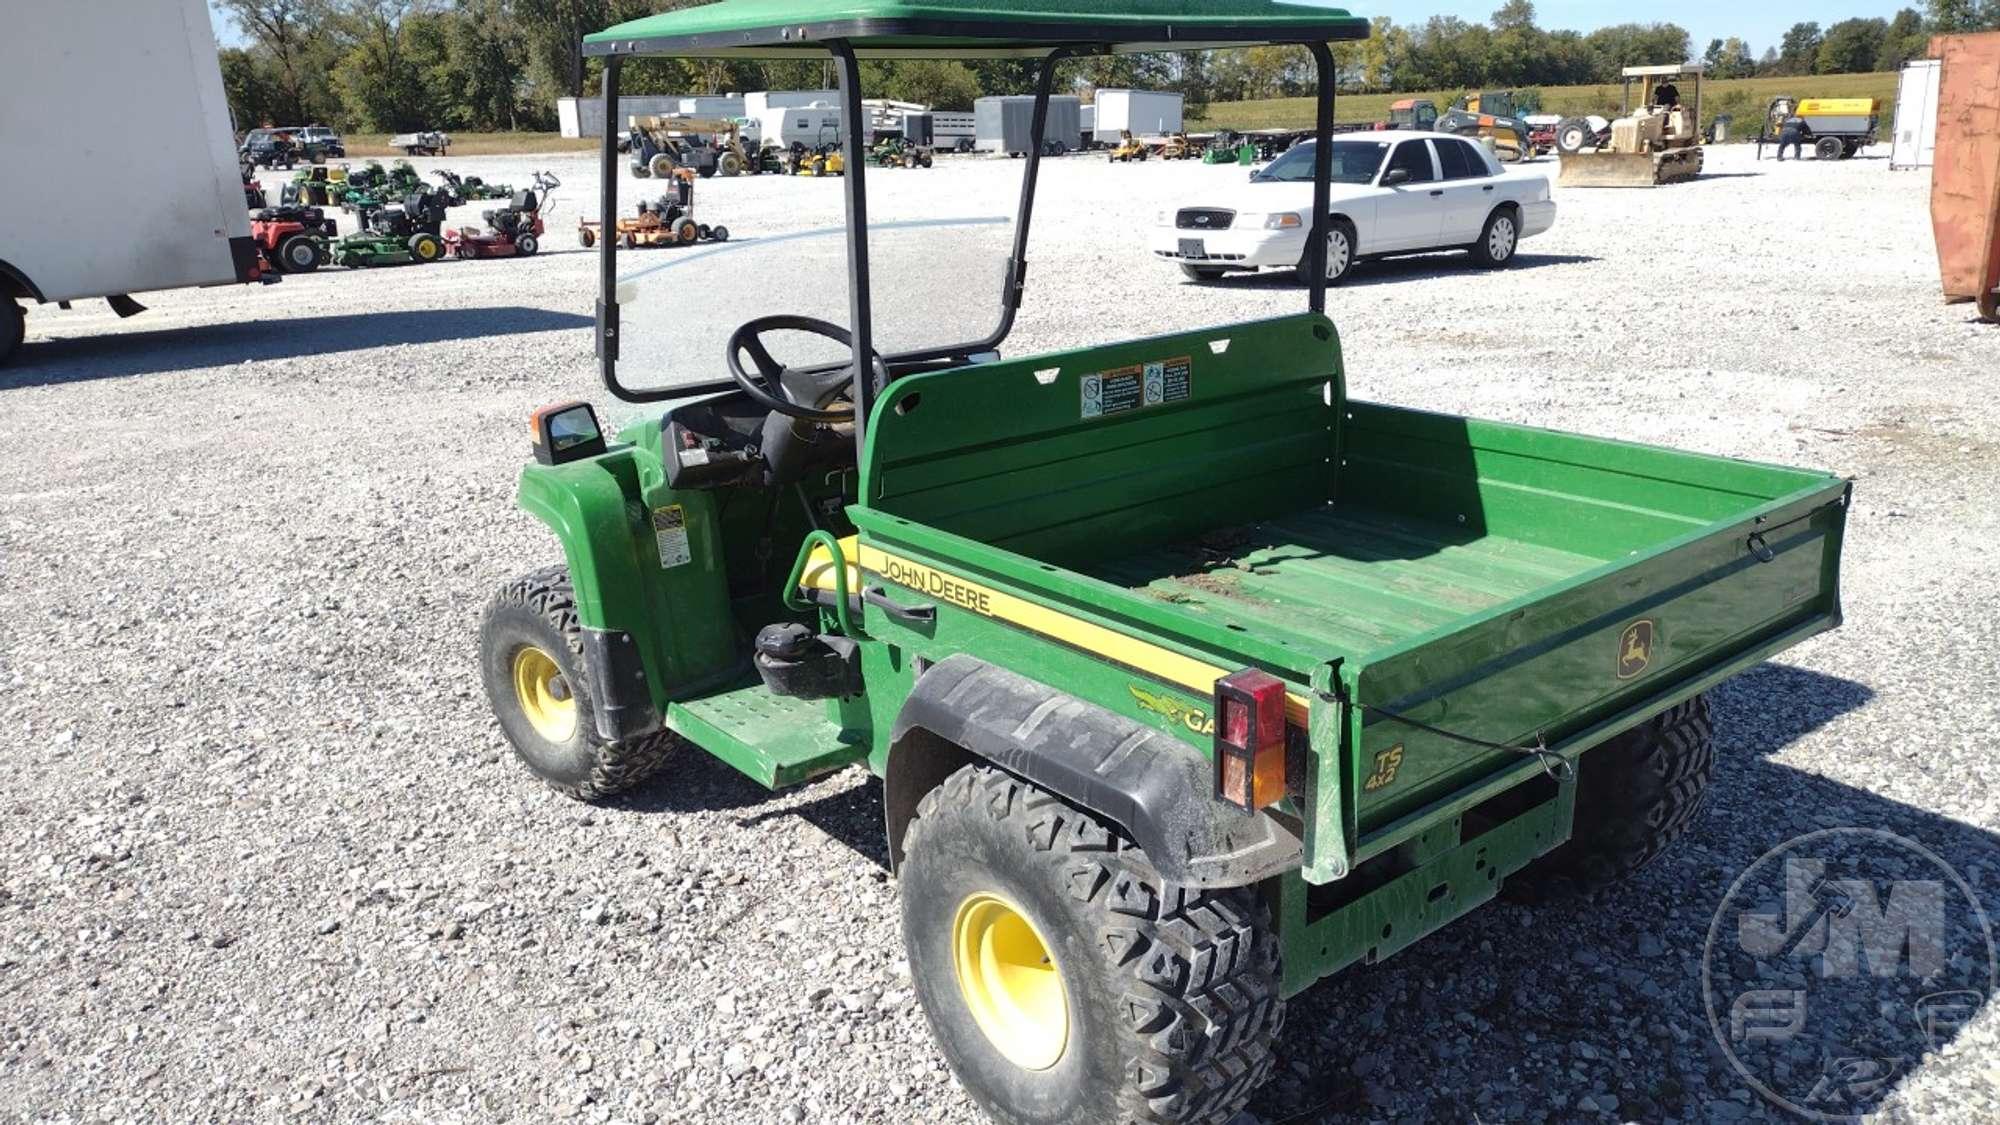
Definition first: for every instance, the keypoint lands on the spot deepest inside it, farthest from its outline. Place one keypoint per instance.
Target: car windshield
(1354, 162)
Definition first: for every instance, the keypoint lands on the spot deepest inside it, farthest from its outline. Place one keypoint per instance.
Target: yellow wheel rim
(1010, 981)
(544, 694)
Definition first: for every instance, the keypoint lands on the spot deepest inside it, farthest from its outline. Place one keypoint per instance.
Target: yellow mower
(1130, 148)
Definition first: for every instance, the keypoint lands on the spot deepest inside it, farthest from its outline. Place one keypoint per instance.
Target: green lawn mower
(401, 234)
(468, 189)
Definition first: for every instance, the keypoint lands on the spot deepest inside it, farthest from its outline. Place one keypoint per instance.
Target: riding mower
(318, 186)
(666, 221)
(367, 188)
(293, 238)
(1178, 147)
(825, 160)
(515, 230)
(399, 234)
(1130, 148)
(469, 189)
(895, 152)
(253, 190)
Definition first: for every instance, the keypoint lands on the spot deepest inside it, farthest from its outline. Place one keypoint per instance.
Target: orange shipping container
(1965, 182)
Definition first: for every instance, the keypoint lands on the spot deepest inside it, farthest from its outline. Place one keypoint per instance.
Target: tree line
(486, 65)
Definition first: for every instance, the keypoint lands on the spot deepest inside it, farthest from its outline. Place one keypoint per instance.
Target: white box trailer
(1915, 142)
(1145, 113)
(78, 81)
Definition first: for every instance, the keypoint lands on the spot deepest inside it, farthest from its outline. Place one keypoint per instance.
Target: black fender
(1155, 787)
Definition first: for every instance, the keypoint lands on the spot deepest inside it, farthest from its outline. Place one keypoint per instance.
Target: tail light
(1250, 739)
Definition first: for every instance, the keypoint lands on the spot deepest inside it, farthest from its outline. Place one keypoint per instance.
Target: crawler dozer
(1658, 142)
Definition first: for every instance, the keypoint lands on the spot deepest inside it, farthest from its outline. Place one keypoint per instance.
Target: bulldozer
(1657, 142)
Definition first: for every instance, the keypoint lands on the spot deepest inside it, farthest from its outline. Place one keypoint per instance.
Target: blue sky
(1704, 19)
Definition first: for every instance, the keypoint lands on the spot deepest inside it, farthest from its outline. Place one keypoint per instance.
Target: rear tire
(661, 166)
(425, 247)
(1572, 134)
(1636, 795)
(1498, 239)
(13, 327)
(587, 237)
(300, 254)
(526, 245)
(1829, 148)
(1157, 1004)
(686, 232)
(719, 234)
(530, 626)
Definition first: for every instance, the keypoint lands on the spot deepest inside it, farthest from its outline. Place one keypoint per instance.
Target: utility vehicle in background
(1190, 680)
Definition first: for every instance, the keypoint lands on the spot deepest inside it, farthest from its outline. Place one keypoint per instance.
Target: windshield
(741, 231)
(1354, 162)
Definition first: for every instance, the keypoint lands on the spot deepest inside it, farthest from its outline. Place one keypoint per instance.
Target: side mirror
(1395, 177)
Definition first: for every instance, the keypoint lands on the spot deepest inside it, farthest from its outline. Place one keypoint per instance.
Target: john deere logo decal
(1635, 649)
(1195, 719)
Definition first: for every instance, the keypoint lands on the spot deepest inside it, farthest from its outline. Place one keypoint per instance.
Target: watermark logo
(1837, 961)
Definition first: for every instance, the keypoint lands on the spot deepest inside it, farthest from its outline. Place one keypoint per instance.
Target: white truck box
(1146, 113)
(79, 81)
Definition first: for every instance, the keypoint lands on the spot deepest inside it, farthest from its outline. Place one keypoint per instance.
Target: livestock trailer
(152, 73)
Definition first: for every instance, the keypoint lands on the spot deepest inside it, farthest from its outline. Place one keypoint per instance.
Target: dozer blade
(1608, 169)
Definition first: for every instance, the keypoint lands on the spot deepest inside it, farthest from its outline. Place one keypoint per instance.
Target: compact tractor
(512, 231)
(710, 146)
(1657, 142)
(293, 238)
(396, 235)
(666, 221)
(1178, 147)
(897, 152)
(1191, 680)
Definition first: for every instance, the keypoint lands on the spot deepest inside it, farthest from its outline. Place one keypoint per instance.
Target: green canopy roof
(886, 28)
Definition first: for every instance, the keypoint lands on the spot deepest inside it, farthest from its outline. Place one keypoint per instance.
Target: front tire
(531, 661)
(1635, 796)
(661, 166)
(1340, 243)
(1201, 275)
(1498, 239)
(1065, 981)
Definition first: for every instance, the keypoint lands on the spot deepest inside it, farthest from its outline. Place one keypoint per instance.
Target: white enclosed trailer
(78, 81)
(1143, 113)
(1915, 142)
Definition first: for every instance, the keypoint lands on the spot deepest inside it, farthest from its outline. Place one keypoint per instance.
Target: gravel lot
(266, 854)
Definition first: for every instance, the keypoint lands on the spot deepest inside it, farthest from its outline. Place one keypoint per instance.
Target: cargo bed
(1430, 585)
(1342, 581)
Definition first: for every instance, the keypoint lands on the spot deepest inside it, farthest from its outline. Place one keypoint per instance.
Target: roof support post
(1017, 264)
(854, 143)
(1322, 174)
(607, 246)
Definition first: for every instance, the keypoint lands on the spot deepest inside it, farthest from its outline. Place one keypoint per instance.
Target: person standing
(1791, 136)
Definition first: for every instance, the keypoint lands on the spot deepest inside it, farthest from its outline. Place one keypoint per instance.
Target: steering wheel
(801, 394)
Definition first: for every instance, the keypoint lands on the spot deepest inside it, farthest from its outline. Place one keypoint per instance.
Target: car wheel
(1202, 274)
(1498, 239)
(1339, 255)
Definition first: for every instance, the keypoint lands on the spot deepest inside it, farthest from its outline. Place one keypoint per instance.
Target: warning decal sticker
(670, 529)
(1124, 389)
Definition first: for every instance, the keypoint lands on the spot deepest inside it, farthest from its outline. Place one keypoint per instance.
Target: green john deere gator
(1190, 680)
